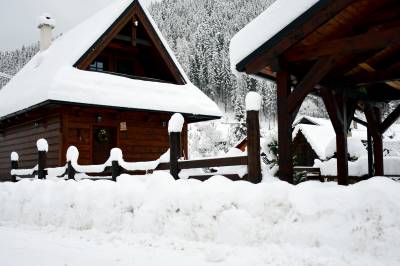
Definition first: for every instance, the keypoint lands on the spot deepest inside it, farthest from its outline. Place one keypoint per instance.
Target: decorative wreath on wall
(103, 135)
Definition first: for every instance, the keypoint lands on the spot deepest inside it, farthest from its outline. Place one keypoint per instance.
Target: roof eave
(192, 118)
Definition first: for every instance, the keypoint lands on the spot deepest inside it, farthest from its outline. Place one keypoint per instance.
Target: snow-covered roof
(322, 140)
(273, 20)
(51, 75)
(313, 120)
(319, 137)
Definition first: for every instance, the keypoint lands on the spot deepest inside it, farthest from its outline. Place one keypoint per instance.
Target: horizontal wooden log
(306, 169)
(215, 162)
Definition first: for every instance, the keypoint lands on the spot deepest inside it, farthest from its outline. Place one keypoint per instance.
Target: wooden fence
(113, 168)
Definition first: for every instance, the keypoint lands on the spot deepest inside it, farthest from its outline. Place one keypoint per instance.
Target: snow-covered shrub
(269, 148)
(208, 139)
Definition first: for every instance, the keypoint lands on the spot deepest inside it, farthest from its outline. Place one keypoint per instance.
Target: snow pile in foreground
(357, 222)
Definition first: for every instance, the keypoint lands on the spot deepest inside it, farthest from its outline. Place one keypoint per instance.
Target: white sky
(19, 18)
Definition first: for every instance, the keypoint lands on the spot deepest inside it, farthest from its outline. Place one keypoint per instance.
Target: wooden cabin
(112, 81)
(345, 51)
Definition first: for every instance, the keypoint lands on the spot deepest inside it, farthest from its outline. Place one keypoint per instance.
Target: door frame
(102, 124)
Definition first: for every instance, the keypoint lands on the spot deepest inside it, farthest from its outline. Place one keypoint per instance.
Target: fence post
(115, 170)
(70, 171)
(175, 126)
(72, 156)
(253, 105)
(42, 147)
(14, 165)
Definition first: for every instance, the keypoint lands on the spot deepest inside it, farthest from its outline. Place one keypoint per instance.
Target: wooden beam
(336, 108)
(362, 122)
(285, 159)
(311, 79)
(351, 106)
(389, 121)
(373, 40)
(333, 109)
(266, 55)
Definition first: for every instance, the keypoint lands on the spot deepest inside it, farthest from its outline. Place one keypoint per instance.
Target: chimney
(46, 26)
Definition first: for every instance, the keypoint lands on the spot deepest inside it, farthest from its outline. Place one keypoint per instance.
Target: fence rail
(115, 166)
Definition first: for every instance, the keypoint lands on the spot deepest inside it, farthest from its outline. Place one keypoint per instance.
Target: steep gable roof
(52, 75)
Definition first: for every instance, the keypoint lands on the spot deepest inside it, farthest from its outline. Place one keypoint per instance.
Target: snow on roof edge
(260, 30)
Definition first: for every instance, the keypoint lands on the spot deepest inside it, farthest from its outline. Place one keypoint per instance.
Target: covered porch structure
(345, 51)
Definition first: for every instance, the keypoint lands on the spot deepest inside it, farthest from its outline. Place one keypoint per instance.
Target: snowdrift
(362, 219)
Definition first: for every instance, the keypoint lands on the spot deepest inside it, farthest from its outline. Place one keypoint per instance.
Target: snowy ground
(154, 220)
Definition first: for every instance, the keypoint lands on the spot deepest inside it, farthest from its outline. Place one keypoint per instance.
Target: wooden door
(104, 139)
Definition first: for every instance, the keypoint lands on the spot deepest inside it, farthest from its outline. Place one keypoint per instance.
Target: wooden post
(14, 165)
(342, 158)
(71, 171)
(42, 158)
(42, 147)
(341, 142)
(370, 156)
(175, 126)
(285, 156)
(174, 153)
(253, 104)
(374, 121)
(115, 170)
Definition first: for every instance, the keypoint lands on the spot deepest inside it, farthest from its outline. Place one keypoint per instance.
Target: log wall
(22, 137)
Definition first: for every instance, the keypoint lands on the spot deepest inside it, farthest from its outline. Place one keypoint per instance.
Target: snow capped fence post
(115, 155)
(42, 147)
(72, 155)
(175, 126)
(14, 165)
(253, 105)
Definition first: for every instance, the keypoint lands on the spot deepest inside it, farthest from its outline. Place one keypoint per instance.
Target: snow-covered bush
(269, 147)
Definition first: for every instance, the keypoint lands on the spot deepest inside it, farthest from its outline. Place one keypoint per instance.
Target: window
(97, 66)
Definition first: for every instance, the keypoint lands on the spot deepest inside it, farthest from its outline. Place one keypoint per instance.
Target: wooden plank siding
(22, 138)
(145, 139)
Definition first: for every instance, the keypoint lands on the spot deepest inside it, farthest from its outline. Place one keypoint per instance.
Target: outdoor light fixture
(99, 118)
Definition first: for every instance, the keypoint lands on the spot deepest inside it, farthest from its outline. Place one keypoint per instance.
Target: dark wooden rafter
(327, 9)
(381, 76)
(372, 40)
(317, 72)
(390, 120)
(373, 117)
